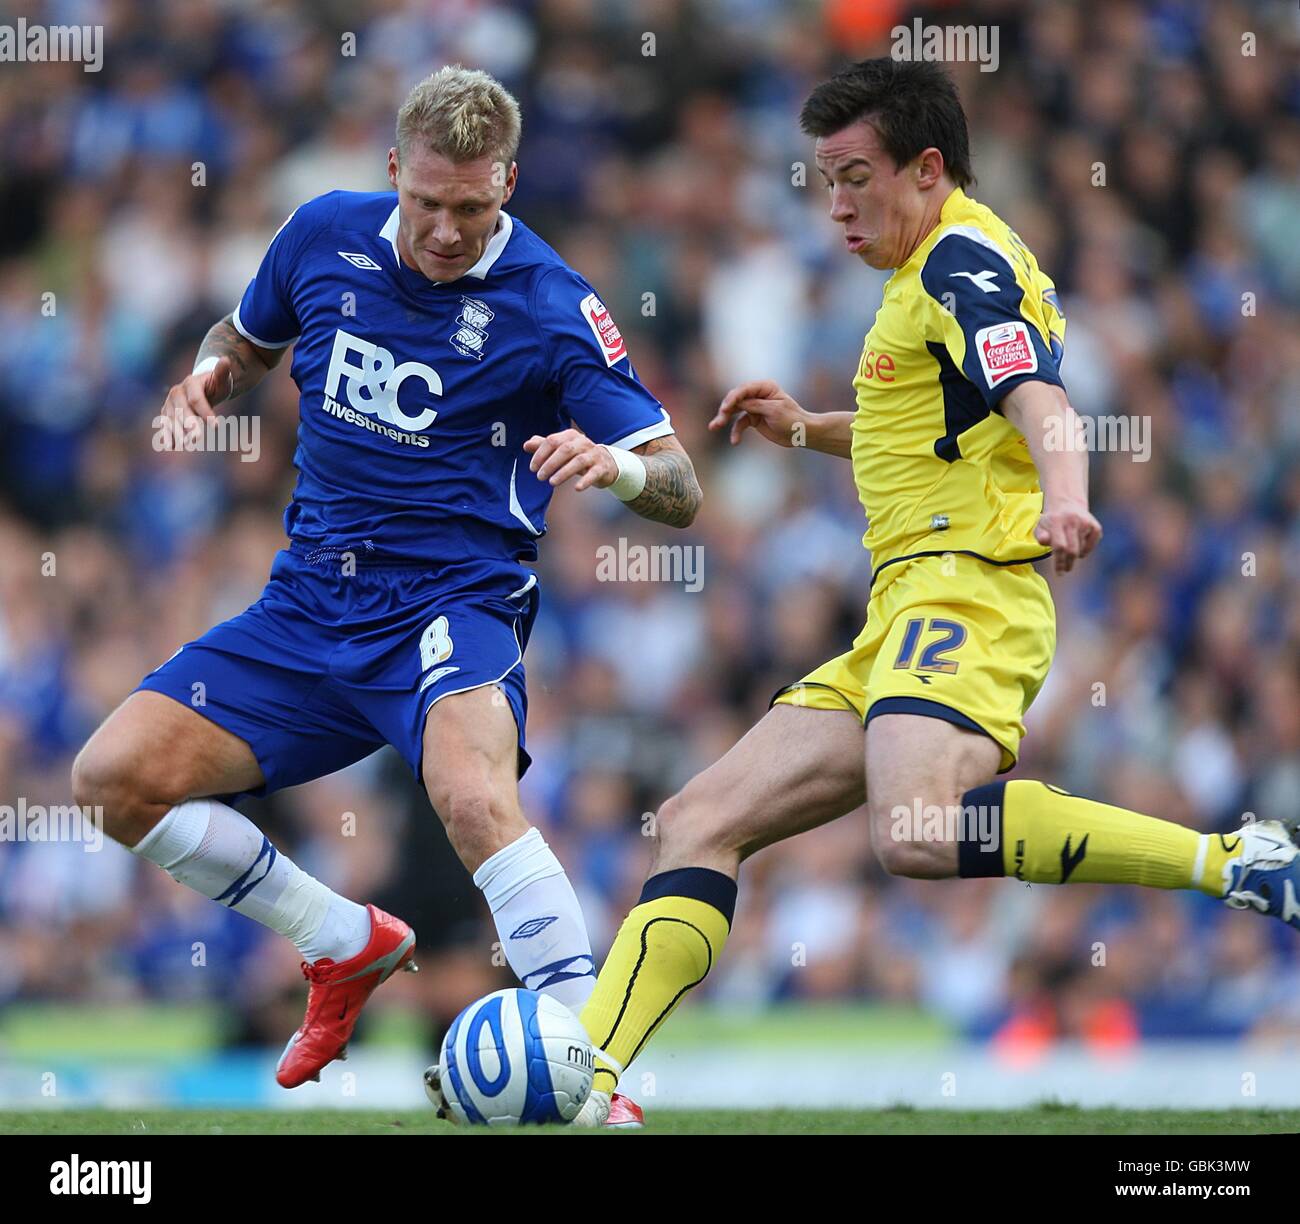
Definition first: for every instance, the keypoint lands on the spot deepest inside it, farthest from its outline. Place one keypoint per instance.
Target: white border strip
(469, 688)
(248, 335)
(648, 434)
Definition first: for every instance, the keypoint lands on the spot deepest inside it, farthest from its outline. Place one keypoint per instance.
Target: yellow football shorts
(949, 637)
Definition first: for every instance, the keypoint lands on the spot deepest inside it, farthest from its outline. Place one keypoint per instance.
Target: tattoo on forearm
(246, 365)
(672, 494)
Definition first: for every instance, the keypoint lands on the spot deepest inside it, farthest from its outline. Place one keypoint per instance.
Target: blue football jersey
(417, 397)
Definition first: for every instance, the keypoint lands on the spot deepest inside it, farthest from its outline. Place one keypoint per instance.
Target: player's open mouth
(854, 243)
(442, 257)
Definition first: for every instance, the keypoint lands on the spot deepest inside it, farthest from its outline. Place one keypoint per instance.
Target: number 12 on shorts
(950, 636)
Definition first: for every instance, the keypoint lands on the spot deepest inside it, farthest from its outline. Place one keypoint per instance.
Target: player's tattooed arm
(238, 366)
(671, 493)
(247, 363)
(763, 406)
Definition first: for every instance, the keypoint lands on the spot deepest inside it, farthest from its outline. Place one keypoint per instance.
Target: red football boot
(338, 993)
(624, 1113)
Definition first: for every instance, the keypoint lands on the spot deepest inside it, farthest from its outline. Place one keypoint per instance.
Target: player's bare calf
(794, 770)
(471, 772)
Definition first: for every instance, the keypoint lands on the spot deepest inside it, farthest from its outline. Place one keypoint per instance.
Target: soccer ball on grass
(514, 1058)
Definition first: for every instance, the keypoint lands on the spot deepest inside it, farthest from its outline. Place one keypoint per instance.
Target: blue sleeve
(589, 370)
(994, 335)
(265, 314)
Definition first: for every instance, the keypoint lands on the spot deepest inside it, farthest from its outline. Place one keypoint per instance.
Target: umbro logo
(357, 260)
(986, 280)
(534, 926)
(437, 674)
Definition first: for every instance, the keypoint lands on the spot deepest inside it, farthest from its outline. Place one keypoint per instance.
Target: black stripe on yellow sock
(631, 984)
(698, 883)
(975, 861)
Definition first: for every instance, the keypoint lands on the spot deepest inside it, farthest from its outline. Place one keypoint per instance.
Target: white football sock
(213, 849)
(539, 920)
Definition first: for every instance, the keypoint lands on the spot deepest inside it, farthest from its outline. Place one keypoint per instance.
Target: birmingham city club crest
(471, 328)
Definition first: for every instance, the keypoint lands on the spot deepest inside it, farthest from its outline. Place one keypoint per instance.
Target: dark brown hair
(913, 104)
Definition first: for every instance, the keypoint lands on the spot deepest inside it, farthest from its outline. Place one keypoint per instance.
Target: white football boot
(1266, 875)
(433, 1090)
(617, 1112)
(594, 1111)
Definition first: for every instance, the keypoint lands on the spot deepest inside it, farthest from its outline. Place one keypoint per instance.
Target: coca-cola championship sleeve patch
(604, 329)
(591, 373)
(1005, 350)
(978, 304)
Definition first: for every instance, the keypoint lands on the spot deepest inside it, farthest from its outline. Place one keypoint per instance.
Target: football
(516, 1058)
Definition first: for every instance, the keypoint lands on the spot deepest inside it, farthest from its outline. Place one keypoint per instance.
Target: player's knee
(128, 789)
(916, 860)
(688, 828)
(671, 825)
(473, 818)
(906, 845)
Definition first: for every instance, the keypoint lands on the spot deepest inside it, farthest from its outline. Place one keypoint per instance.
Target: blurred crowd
(1144, 149)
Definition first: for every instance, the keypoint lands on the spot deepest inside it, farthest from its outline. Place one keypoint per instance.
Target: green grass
(164, 1033)
(175, 1033)
(120, 1031)
(808, 1026)
(1047, 1119)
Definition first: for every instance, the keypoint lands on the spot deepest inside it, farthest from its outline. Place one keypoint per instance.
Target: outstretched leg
(937, 811)
(796, 769)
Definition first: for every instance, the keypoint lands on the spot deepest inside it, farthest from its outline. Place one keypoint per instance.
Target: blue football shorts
(327, 667)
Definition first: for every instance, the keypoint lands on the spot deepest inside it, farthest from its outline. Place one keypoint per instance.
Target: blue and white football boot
(1266, 875)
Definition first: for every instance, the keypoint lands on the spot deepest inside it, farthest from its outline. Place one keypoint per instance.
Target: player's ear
(512, 177)
(393, 167)
(929, 168)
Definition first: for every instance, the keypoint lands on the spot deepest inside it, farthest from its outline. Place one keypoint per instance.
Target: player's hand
(762, 405)
(1071, 533)
(562, 456)
(195, 397)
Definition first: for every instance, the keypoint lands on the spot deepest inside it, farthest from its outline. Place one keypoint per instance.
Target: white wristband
(631, 474)
(206, 366)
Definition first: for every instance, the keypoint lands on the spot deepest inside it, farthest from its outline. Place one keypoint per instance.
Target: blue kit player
(453, 371)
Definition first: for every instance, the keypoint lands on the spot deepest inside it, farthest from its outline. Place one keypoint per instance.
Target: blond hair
(462, 113)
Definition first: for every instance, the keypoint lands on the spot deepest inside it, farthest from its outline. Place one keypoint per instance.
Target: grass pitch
(1048, 1119)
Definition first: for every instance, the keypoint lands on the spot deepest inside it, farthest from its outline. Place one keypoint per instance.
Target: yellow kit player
(970, 466)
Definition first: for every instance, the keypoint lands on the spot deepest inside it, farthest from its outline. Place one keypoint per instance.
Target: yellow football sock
(1051, 837)
(666, 945)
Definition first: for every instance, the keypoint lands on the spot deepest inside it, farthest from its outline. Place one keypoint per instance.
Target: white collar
(491, 253)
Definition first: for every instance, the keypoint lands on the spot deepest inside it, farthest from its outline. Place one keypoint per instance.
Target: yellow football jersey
(938, 468)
